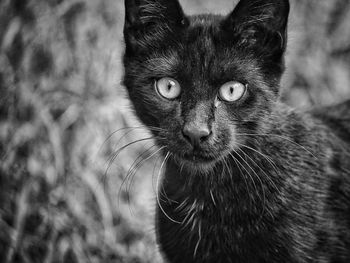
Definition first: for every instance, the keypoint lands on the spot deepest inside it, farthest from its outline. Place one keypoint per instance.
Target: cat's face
(200, 83)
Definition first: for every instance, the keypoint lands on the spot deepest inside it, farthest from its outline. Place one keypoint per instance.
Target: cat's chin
(197, 165)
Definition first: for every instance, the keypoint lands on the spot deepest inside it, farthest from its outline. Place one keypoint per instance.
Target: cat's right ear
(148, 22)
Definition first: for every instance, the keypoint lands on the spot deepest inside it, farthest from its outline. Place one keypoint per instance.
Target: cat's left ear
(260, 24)
(151, 21)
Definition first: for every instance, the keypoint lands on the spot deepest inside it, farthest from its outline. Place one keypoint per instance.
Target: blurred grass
(62, 197)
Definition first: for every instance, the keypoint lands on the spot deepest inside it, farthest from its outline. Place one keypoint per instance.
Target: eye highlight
(232, 91)
(168, 88)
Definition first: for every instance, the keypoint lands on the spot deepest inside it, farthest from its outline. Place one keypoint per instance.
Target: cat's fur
(270, 184)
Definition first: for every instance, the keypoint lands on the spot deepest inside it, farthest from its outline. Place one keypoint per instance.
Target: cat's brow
(163, 63)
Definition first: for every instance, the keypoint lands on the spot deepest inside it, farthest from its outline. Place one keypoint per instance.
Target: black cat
(247, 178)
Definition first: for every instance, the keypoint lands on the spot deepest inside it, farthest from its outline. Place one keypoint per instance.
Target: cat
(247, 178)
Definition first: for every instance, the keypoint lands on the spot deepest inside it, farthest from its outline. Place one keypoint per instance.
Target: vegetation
(67, 192)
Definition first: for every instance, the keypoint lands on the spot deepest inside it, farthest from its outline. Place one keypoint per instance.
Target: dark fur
(293, 206)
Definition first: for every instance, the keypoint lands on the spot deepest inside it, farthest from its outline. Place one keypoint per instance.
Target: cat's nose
(196, 134)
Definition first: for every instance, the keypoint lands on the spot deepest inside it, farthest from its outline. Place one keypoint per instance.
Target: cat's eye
(168, 88)
(232, 91)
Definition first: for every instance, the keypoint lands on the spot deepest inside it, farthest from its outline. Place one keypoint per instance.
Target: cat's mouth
(197, 161)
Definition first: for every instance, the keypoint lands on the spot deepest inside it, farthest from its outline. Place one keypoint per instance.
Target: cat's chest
(214, 229)
(213, 223)
(228, 219)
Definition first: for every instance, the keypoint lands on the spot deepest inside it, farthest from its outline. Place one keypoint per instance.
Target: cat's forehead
(196, 46)
(199, 52)
(202, 28)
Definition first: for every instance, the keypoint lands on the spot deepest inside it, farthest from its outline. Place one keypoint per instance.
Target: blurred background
(67, 191)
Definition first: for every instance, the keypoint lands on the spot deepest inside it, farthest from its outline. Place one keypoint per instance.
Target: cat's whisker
(182, 205)
(229, 170)
(247, 172)
(130, 173)
(128, 132)
(181, 167)
(163, 193)
(212, 197)
(199, 239)
(158, 183)
(190, 215)
(154, 172)
(256, 189)
(141, 127)
(238, 165)
(266, 175)
(258, 177)
(269, 160)
(281, 137)
(122, 137)
(117, 152)
(140, 160)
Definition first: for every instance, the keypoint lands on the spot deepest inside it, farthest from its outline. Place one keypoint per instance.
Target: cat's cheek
(227, 122)
(225, 127)
(167, 114)
(236, 139)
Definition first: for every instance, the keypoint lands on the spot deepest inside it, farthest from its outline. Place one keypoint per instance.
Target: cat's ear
(148, 21)
(260, 24)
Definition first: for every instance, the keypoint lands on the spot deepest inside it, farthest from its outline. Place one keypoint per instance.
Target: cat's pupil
(231, 90)
(170, 85)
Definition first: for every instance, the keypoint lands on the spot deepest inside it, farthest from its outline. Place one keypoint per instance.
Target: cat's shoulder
(336, 117)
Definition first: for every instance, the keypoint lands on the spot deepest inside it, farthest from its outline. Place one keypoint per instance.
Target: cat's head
(202, 82)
